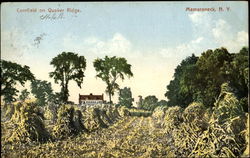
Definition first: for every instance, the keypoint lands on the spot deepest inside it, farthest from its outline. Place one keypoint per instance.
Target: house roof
(90, 97)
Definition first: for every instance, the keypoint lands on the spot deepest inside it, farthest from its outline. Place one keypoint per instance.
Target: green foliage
(110, 69)
(68, 66)
(139, 103)
(43, 92)
(162, 103)
(210, 75)
(150, 102)
(24, 95)
(11, 75)
(237, 71)
(199, 79)
(125, 97)
(180, 90)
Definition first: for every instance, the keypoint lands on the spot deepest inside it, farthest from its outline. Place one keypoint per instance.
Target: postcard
(125, 79)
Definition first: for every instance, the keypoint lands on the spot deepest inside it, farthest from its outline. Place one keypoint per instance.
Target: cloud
(199, 18)
(242, 37)
(221, 29)
(208, 33)
(197, 41)
(217, 32)
(117, 45)
(223, 35)
(182, 50)
(201, 22)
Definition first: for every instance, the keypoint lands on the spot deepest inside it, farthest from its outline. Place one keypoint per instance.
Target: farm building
(90, 99)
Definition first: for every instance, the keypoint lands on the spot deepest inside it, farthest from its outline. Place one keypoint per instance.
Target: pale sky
(153, 36)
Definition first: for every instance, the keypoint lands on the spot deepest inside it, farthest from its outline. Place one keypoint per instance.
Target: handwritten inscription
(53, 16)
(51, 13)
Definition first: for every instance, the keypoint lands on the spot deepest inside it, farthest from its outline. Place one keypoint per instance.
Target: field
(107, 131)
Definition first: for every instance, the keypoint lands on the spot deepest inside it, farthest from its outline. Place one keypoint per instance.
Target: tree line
(195, 79)
(68, 67)
(200, 78)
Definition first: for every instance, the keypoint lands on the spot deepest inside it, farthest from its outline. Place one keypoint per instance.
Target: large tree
(125, 97)
(211, 75)
(12, 74)
(200, 79)
(180, 91)
(110, 69)
(43, 92)
(68, 66)
(237, 71)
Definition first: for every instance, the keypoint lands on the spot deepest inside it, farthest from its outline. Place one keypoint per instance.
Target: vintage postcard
(124, 79)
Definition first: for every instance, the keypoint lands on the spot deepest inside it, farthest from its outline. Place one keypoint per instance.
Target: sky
(154, 37)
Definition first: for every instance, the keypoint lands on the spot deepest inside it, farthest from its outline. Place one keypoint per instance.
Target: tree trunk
(110, 102)
(66, 92)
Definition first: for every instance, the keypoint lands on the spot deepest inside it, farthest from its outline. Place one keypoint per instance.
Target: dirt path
(131, 137)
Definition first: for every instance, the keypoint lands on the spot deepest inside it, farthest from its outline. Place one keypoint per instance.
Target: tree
(43, 92)
(24, 95)
(139, 103)
(237, 72)
(162, 103)
(211, 75)
(125, 97)
(180, 90)
(110, 69)
(11, 75)
(68, 66)
(200, 79)
(150, 102)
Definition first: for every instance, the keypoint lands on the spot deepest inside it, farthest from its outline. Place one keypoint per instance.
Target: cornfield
(109, 131)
